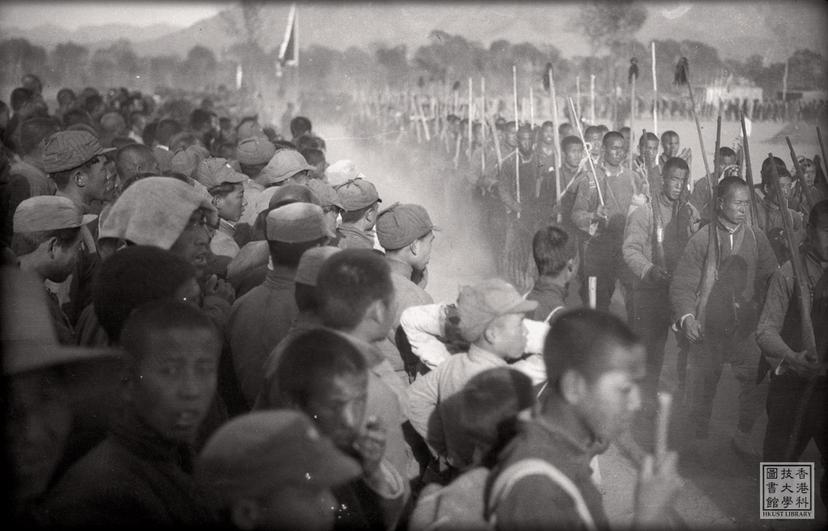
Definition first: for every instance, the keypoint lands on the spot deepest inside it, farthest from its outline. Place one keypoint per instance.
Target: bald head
(133, 160)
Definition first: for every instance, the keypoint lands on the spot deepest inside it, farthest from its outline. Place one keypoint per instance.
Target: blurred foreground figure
(779, 335)
(141, 474)
(46, 386)
(274, 470)
(595, 366)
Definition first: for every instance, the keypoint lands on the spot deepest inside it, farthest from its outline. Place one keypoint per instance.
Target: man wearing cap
(491, 319)
(329, 201)
(285, 166)
(47, 386)
(262, 317)
(406, 233)
(170, 214)
(253, 154)
(47, 237)
(226, 186)
(360, 202)
(273, 470)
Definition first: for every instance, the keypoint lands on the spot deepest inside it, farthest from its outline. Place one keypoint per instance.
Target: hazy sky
(73, 14)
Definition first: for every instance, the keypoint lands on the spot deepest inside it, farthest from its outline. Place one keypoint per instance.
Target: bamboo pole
(517, 154)
(655, 91)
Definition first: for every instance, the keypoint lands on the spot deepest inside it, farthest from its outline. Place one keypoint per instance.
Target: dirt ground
(721, 490)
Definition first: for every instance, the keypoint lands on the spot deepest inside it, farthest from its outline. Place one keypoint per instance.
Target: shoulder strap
(538, 467)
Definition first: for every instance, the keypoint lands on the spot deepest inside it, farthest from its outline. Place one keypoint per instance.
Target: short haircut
(728, 183)
(571, 140)
(725, 151)
(156, 317)
(674, 162)
(24, 243)
(818, 213)
(64, 94)
(623, 130)
(592, 130)
(581, 340)
(183, 140)
(767, 173)
(288, 254)
(610, 136)
(34, 130)
(552, 248)
(348, 283)
(92, 102)
(309, 141)
(165, 130)
(132, 277)
(642, 141)
(547, 123)
(310, 361)
(668, 134)
(200, 117)
(76, 116)
(525, 130)
(19, 97)
(299, 126)
(314, 156)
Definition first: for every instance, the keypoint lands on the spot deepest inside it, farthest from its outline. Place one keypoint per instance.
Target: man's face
(510, 137)
(735, 204)
(594, 143)
(193, 245)
(176, 382)
(525, 142)
(63, 260)
(614, 151)
(785, 184)
(818, 237)
(728, 160)
(423, 255)
(509, 336)
(37, 427)
(673, 181)
(548, 135)
(651, 150)
(610, 401)
(298, 507)
(231, 206)
(808, 170)
(337, 406)
(574, 154)
(671, 146)
(99, 182)
(331, 217)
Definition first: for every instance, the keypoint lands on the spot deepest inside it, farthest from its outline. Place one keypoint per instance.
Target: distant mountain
(93, 36)
(736, 28)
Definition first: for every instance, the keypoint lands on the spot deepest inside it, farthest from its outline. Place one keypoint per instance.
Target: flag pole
(655, 91)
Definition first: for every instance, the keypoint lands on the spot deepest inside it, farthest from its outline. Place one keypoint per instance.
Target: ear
(52, 247)
(245, 513)
(80, 178)
(490, 334)
(371, 215)
(414, 247)
(572, 386)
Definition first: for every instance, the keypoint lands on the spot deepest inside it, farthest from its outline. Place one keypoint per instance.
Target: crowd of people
(207, 324)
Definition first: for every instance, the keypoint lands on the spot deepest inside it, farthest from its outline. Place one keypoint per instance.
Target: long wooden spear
(517, 124)
(592, 99)
(556, 135)
(800, 176)
(821, 148)
(632, 75)
(682, 77)
(754, 214)
(470, 117)
(802, 293)
(483, 125)
(655, 91)
(577, 121)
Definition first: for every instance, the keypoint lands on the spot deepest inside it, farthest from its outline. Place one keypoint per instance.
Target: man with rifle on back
(794, 348)
(721, 329)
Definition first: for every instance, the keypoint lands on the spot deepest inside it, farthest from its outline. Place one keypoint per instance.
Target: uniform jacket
(258, 321)
(133, 479)
(551, 297)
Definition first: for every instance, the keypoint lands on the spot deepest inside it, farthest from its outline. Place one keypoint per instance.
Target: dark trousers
(784, 398)
(648, 314)
(601, 259)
